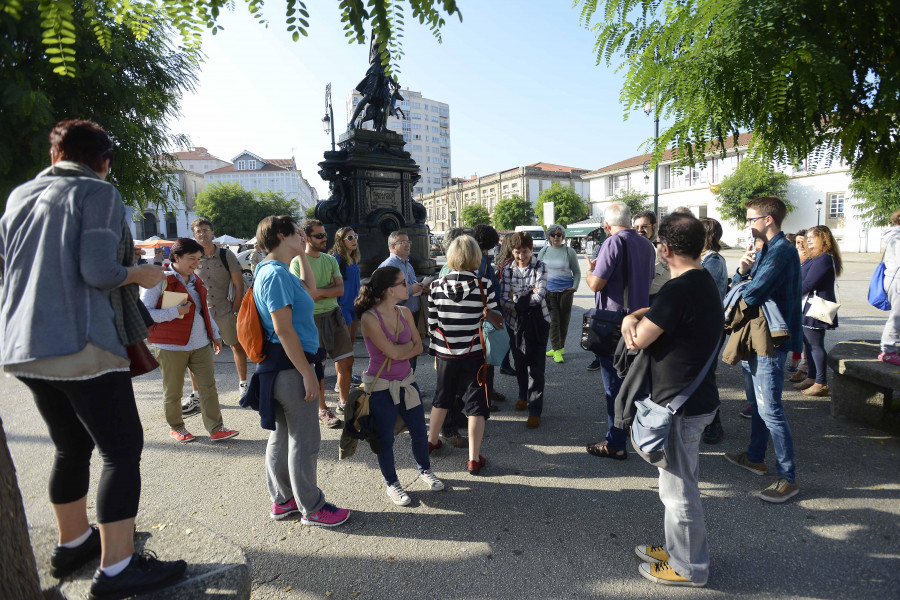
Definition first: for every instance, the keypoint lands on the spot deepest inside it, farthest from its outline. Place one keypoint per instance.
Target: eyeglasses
(555, 235)
(319, 236)
(398, 242)
(204, 230)
(401, 282)
(350, 237)
(751, 219)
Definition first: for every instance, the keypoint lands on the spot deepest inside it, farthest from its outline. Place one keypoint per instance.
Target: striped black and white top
(454, 310)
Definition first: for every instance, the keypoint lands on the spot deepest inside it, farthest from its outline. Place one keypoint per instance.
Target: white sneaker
(396, 493)
(337, 389)
(191, 404)
(242, 389)
(431, 479)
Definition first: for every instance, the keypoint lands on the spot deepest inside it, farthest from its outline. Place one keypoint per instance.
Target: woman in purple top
(389, 337)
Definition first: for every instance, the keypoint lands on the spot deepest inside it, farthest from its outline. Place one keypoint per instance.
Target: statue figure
(380, 94)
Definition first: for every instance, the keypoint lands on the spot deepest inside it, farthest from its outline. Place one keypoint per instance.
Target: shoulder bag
(601, 329)
(821, 309)
(877, 296)
(494, 342)
(652, 422)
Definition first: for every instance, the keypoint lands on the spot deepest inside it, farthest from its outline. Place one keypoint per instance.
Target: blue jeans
(382, 407)
(763, 384)
(615, 437)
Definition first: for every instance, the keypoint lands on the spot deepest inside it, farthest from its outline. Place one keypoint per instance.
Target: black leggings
(814, 345)
(81, 414)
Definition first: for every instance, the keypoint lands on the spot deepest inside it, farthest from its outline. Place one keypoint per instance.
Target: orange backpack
(250, 331)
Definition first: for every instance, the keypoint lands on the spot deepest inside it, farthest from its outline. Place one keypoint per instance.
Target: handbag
(877, 296)
(142, 360)
(821, 309)
(652, 422)
(601, 329)
(494, 342)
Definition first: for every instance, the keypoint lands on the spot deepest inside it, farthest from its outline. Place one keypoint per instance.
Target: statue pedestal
(371, 180)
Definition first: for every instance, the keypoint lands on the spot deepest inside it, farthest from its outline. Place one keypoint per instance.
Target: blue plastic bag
(877, 296)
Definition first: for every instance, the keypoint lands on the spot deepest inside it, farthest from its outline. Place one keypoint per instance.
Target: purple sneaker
(329, 516)
(283, 511)
(890, 357)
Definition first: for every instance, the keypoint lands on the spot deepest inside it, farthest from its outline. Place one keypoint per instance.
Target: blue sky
(520, 77)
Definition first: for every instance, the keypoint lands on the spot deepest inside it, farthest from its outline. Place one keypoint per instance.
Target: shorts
(454, 374)
(227, 328)
(333, 334)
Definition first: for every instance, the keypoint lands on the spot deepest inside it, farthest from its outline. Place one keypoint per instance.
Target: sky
(520, 77)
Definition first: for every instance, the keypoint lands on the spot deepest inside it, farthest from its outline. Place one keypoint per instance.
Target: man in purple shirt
(607, 276)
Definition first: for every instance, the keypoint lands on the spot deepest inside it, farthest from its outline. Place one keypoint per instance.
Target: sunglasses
(401, 282)
(351, 237)
(319, 236)
(555, 235)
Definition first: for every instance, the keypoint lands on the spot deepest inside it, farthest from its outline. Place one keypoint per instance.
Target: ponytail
(373, 292)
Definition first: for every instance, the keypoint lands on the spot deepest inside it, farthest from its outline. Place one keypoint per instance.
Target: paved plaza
(546, 519)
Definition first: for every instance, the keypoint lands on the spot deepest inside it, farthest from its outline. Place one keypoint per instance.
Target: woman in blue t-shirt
(346, 251)
(285, 387)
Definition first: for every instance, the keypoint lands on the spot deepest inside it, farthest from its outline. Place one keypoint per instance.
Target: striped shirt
(454, 310)
(521, 281)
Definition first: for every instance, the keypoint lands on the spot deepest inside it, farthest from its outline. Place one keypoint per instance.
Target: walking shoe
(890, 357)
(652, 554)
(327, 516)
(817, 390)
(595, 365)
(740, 459)
(507, 371)
(181, 435)
(713, 433)
(397, 494)
(747, 411)
(434, 484)
(433, 447)
(497, 396)
(222, 433)
(558, 356)
(521, 405)
(475, 466)
(144, 573)
(355, 380)
(806, 383)
(533, 422)
(65, 561)
(191, 404)
(602, 450)
(242, 389)
(662, 573)
(799, 376)
(551, 352)
(327, 418)
(456, 440)
(780, 491)
(283, 511)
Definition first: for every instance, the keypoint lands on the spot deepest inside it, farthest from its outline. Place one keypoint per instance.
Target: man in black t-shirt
(679, 333)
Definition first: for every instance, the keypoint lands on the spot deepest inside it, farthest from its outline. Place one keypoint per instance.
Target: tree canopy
(132, 88)
(512, 212)
(877, 199)
(636, 200)
(568, 206)
(806, 77)
(475, 214)
(237, 211)
(750, 180)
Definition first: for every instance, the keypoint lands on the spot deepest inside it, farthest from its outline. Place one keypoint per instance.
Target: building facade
(445, 205)
(199, 160)
(695, 187)
(173, 219)
(271, 174)
(425, 127)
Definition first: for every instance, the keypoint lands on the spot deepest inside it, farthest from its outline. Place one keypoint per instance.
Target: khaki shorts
(334, 335)
(227, 329)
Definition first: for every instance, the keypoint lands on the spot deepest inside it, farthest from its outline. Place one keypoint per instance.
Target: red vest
(177, 332)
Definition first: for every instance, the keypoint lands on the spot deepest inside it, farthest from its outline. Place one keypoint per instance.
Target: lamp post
(328, 119)
(818, 211)
(648, 108)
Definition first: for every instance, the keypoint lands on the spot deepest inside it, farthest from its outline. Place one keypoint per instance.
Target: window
(666, 178)
(251, 165)
(836, 205)
(416, 105)
(241, 165)
(417, 126)
(616, 183)
(416, 115)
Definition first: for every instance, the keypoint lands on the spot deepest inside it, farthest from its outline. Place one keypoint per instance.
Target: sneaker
(550, 352)
(475, 466)
(355, 380)
(595, 365)
(740, 459)
(433, 447)
(662, 573)
(339, 409)
(747, 412)
(327, 516)
(144, 573)
(222, 433)
(396, 493)
(456, 440)
(191, 404)
(890, 357)
(283, 511)
(337, 389)
(65, 561)
(327, 418)
(713, 433)
(780, 491)
(242, 389)
(181, 435)
(652, 554)
(558, 356)
(435, 484)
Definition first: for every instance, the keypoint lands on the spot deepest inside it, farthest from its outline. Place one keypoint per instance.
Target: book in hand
(173, 299)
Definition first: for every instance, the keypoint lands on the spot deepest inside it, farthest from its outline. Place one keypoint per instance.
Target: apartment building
(265, 174)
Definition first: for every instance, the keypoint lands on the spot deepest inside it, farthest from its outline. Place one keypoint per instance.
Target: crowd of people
(665, 279)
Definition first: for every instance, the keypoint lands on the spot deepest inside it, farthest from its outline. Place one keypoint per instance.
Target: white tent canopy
(228, 240)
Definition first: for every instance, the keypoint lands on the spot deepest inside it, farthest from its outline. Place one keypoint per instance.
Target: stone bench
(862, 386)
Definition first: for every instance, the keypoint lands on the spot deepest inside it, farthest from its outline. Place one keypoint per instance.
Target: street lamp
(818, 211)
(328, 119)
(648, 108)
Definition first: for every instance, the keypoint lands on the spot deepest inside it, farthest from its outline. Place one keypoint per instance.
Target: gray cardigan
(58, 241)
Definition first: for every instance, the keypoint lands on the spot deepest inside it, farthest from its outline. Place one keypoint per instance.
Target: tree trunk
(18, 571)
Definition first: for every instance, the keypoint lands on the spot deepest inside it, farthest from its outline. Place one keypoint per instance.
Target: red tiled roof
(281, 162)
(231, 169)
(557, 168)
(635, 161)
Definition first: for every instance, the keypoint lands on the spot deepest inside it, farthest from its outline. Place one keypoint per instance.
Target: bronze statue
(380, 94)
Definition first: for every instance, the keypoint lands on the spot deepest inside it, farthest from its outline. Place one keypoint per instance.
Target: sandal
(602, 450)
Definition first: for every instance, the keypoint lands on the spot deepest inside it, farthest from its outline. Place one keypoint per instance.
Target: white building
(271, 174)
(695, 188)
(425, 126)
(173, 219)
(199, 160)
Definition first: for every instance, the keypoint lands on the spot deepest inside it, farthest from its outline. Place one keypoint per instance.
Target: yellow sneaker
(558, 356)
(551, 352)
(652, 554)
(662, 573)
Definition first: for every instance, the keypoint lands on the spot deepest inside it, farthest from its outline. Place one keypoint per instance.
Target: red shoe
(890, 358)
(433, 447)
(475, 466)
(222, 433)
(181, 435)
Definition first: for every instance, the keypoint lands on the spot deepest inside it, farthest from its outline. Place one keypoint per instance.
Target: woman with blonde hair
(346, 251)
(818, 275)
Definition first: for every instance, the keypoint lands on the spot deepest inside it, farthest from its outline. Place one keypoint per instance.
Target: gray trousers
(679, 491)
(890, 337)
(293, 450)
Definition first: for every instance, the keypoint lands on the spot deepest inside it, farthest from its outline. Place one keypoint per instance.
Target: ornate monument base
(371, 179)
